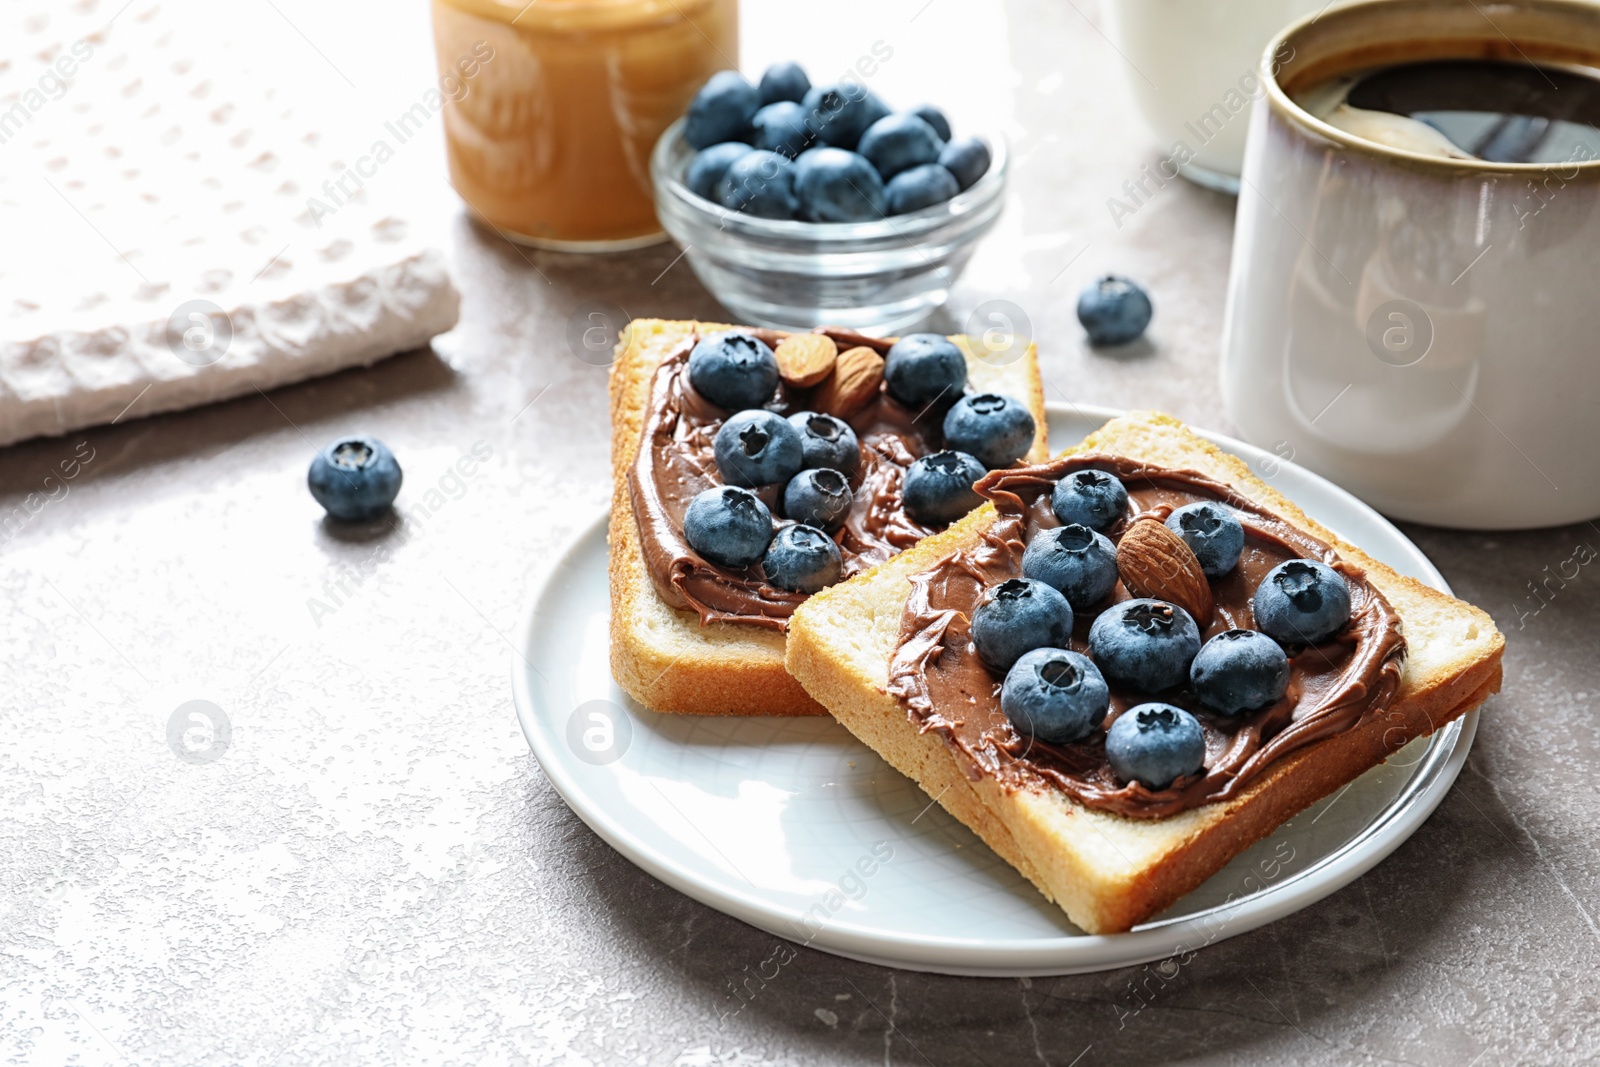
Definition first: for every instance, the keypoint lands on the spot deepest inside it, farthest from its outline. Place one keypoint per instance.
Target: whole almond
(857, 374)
(804, 359)
(1155, 562)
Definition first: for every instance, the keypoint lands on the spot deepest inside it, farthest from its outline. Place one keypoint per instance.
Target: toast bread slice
(1107, 871)
(665, 658)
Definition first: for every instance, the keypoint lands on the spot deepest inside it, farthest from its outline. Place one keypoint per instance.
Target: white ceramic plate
(796, 827)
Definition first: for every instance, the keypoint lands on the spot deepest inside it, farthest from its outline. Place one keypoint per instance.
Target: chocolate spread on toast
(676, 461)
(936, 673)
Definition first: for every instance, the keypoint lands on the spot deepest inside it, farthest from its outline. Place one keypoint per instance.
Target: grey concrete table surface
(374, 869)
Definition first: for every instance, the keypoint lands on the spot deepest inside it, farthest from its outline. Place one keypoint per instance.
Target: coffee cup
(1413, 321)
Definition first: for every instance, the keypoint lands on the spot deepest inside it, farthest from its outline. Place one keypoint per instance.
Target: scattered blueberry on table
(1114, 311)
(853, 159)
(355, 479)
(1055, 695)
(1155, 745)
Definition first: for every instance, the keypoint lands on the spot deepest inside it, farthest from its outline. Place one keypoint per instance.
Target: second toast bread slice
(1107, 871)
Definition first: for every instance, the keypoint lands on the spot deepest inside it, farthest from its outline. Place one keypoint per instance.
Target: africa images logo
(1399, 332)
(598, 732)
(198, 731)
(198, 332)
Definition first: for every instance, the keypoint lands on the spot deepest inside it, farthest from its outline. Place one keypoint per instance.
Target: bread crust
(1109, 872)
(664, 658)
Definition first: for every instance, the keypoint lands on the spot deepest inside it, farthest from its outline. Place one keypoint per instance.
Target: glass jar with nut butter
(551, 147)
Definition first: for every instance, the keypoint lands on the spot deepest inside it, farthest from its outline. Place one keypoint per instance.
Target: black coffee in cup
(1502, 112)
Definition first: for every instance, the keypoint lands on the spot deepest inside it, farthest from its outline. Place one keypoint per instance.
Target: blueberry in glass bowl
(843, 257)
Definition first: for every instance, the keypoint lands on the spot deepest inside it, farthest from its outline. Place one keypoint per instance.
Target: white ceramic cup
(1423, 331)
(1192, 68)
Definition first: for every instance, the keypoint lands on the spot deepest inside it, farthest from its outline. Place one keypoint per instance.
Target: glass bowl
(876, 277)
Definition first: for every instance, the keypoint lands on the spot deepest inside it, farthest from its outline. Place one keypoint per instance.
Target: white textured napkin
(182, 219)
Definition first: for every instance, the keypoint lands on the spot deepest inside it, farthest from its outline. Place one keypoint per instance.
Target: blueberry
(1212, 532)
(819, 497)
(1094, 498)
(967, 160)
(899, 142)
(733, 370)
(827, 442)
(1155, 745)
(1055, 695)
(721, 110)
(802, 559)
(1016, 617)
(781, 128)
(728, 526)
(1113, 310)
(840, 114)
(923, 369)
(919, 187)
(938, 488)
(355, 478)
(757, 447)
(935, 118)
(1147, 644)
(995, 428)
(1239, 670)
(1302, 602)
(1079, 562)
(783, 81)
(709, 165)
(758, 183)
(832, 185)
